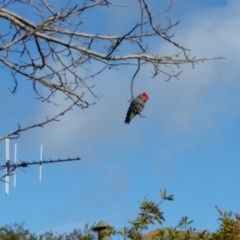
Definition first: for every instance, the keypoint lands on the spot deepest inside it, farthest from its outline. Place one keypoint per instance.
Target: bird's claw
(142, 116)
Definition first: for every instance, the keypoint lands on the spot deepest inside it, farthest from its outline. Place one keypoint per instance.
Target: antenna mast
(40, 167)
(11, 167)
(15, 161)
(7, 167)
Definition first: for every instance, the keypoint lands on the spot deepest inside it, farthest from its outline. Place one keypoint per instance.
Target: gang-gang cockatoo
(136, 106)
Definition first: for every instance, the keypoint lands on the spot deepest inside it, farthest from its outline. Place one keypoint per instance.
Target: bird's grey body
(136, 107)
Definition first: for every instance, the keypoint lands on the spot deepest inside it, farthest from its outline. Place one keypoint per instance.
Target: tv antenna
(11, 167)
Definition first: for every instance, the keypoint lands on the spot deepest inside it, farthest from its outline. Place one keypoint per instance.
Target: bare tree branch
(16, 134)
(50, 49)
(135, 74)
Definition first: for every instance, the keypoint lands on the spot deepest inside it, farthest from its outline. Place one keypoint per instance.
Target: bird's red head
(145, 96)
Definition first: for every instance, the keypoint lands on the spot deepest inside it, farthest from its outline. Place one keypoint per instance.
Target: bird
(136, 106)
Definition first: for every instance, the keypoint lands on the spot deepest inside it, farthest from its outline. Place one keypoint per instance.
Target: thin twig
(16, 133)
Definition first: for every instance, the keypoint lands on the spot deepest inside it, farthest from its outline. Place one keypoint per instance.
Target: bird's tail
(127, 120)
(128, 117)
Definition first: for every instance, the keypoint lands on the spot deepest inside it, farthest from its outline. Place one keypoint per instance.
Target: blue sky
(188, 143)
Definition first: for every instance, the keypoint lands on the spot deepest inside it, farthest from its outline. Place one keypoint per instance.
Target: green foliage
(16, 232)
(149, 214)
(184, 223)
(164, 195)
(108, 231)
(229, 227)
